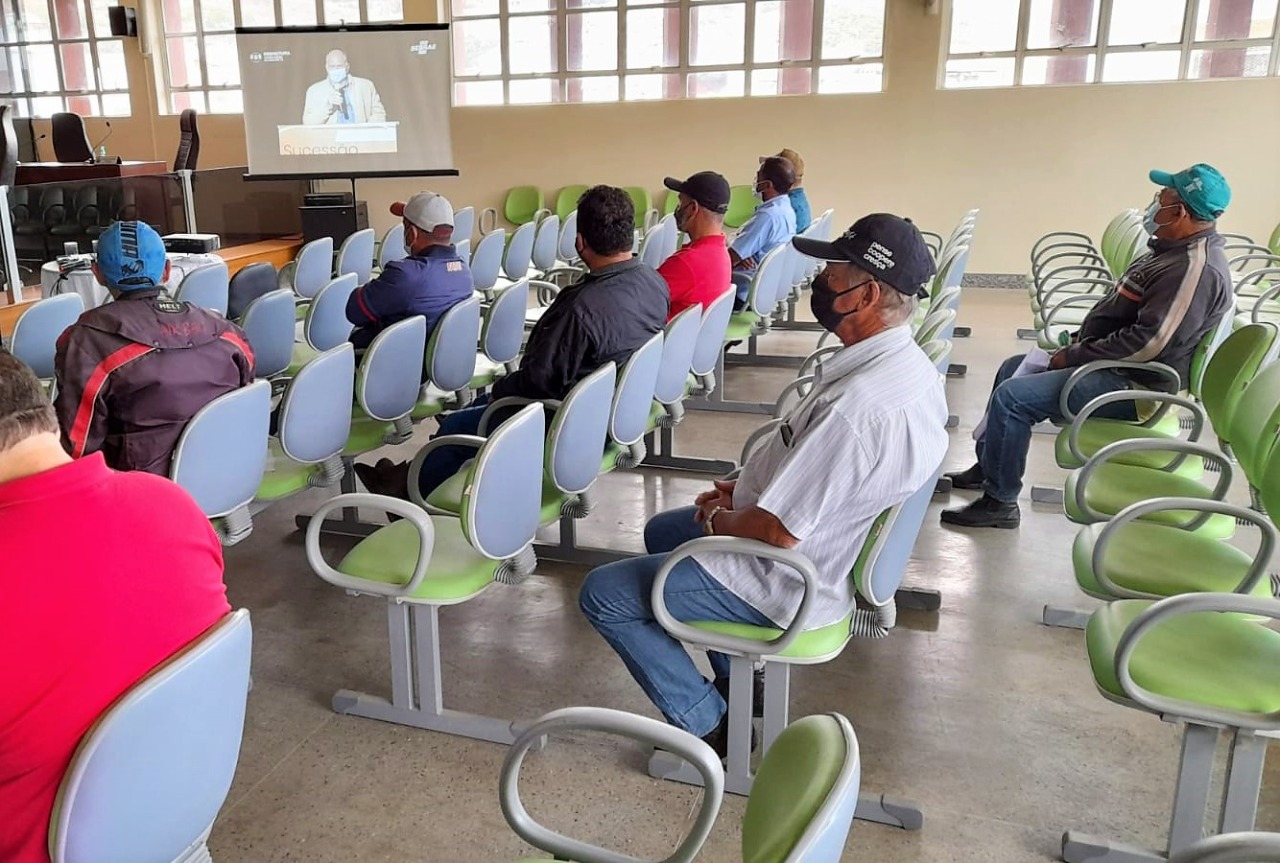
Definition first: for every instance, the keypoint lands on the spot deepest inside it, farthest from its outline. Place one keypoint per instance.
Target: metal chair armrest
(415, 466)
(1266, 296)
(816, 357)
(1230, 848)
(1110, 451)
(403, 508)
(732, 643)
(1047, 294)
(1177, 606)
(650, 732)
(1056, 238)
(1082, 260)
(1051, 314)
(546, 291)
(507, 402)
(800, 385)
(1081, 372)
(753, 439)
(1256, 572)
(1167, 400)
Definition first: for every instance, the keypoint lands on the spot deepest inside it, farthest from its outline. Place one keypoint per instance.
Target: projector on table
(191, 244)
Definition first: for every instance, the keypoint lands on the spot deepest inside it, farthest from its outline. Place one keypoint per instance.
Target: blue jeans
(448, 460)
(615, 599)
(1017, 404)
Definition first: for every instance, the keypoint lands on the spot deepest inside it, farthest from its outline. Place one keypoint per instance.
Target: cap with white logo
(887, 247)
(429, 211)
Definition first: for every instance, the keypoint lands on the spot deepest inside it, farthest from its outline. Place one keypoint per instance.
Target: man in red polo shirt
(699, 272)
(103, 575)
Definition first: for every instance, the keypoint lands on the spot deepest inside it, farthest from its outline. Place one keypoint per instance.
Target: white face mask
(337, 77)
(408, 244)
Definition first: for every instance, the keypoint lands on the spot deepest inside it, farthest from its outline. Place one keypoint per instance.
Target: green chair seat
(609, 460)
(457, 571)
(741, 325)
(825, 641)
(1095, 433)
(448, 496)
(1162, 561)
(434, 401)
(1116, 486)
(366, 434)
(283, 475)
(303, 353)
(1211, 658)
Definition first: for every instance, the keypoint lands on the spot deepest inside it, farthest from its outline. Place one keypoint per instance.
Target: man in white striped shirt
(868, 435)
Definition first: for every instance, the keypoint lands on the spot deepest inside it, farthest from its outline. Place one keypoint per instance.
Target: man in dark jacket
(429, 282)
(604, 317)
(133, 372)
(1158, 311)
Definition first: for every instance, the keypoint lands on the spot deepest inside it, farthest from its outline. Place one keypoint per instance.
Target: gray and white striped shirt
(868, 435)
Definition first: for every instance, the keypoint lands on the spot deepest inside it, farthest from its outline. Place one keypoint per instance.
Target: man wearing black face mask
(604, 317)
(698, 273)
(869, 434)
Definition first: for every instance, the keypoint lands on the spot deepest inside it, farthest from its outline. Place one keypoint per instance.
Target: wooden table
(65, 172)
(278, 252)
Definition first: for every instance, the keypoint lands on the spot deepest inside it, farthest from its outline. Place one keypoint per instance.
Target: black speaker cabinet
(338, 222)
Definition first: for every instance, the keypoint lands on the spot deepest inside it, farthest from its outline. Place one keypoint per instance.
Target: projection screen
(350, 101)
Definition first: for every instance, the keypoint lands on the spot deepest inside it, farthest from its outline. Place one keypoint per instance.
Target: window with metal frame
(541, 51)
(1006, 43)
(59, 55)
(201, 67)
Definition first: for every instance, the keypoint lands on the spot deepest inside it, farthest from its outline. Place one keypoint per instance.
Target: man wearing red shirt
(699, 272)
(103, 575)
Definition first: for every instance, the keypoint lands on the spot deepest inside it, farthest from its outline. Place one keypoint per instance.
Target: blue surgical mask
(757, 192)
(337, 76)
(1149, 217)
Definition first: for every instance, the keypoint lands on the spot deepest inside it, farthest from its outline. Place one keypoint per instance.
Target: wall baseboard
(1002, 281)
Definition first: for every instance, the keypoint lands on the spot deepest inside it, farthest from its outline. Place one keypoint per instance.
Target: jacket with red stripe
(132, 373)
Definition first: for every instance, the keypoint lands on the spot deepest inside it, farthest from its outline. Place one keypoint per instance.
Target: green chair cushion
(741, 326)
(823, 641)
(1095, 433)
(1116, 486)
(457, 571)
(1214, 659)
(448, 496)
(366, 434)
(283, 475)
(609, 460)
(1161, 560)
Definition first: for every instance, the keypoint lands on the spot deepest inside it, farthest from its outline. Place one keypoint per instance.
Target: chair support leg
(567, 550)
(777, 701)
(350, 523)
(1046, 494)
(415, 665)
(715, 400)
(661, 453)
(1243, 782)
(1065, 618)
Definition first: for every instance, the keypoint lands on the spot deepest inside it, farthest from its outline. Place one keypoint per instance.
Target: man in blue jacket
(428, 282)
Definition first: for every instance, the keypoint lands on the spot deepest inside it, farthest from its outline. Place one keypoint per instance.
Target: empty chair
(392, 246)
(799, 810)
(567, 200)
(449, 360)
(188, 142)
(270, 326)
(355, 256)
(515, 263)
(221, 455)
(36, 333)
(522, 204)
(326, 325)
(149, 777)
(464, 223)
(463, 248)
(486, 261)
(680, 339)
(545, 244)
(207, 287)
(70, 140)
(311, 270)
(642, 201)
(652, 245)
(247, 284)
(501, 335)
(388, 386)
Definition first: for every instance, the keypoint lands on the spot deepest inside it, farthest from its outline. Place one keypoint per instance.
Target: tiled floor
(978, 712)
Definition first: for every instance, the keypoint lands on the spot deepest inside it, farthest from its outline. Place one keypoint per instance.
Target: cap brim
(1161, 178)
(397, 209)
(673, 184)
(819, 249)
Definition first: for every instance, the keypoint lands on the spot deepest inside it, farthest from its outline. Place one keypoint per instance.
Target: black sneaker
(986, 511)
(718, 738)
(968, 480)
(757, 699)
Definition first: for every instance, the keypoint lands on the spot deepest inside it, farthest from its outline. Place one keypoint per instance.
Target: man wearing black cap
(868, 435)
(699, 272)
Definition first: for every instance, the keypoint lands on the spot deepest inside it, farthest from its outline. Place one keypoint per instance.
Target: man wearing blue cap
(133, 372)
(1158, 311)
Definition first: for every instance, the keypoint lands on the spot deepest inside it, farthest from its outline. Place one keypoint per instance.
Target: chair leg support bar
(1046, 494)
(1083, 848)
(567, 549)
(417, 697)
(1243, 782)
(661, 454)
(1064, 618)
(350, 523)
(715, 400)
(887, 809)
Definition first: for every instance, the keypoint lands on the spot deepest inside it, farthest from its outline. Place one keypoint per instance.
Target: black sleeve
(555, 353)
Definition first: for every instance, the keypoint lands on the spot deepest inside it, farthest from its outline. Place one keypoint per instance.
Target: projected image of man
(342, 97)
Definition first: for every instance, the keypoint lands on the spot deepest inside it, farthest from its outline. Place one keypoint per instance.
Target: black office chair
(8, 148)
(188, 143)
(70, 140)
(247, 285)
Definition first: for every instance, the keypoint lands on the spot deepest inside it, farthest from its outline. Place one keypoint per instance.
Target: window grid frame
(23, 100)
(1101, 49)
(683, 69)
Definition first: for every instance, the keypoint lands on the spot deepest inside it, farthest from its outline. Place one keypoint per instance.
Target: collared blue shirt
(772, 224)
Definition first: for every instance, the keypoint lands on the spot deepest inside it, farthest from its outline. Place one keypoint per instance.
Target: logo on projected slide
(255, 57)
(423, 47)
(268, 56)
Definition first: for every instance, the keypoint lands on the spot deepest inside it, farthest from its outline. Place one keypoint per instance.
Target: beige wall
(1032, 159)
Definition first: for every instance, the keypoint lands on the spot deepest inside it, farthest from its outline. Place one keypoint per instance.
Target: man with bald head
(341, 97)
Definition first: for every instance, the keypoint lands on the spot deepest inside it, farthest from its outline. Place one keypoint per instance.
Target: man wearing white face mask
(1158, 311)
(342, 97)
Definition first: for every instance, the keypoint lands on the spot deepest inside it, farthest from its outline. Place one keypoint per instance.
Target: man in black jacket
(1158, 311)
(604, 317)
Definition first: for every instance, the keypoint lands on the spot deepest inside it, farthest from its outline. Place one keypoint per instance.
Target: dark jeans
(1017, 404)
(448, 460)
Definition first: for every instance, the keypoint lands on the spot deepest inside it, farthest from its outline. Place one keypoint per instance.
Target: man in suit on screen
(341, 97)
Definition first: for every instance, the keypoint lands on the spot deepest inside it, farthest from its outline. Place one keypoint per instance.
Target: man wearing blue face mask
(772, 224)
(1158, 311)
(341, 97)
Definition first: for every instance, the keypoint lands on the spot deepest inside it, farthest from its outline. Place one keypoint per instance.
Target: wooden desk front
(278, 252)
(65, 172)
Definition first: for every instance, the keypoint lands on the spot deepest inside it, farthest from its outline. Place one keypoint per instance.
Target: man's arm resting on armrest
(753, 523)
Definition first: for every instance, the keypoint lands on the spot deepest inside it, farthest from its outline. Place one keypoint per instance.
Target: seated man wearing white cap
(428, 282)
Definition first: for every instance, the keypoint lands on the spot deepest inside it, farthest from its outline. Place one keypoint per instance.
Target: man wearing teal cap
(1157, 311)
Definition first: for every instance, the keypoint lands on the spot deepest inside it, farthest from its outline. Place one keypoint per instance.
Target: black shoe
(986, 511)
(718, 738)
(757, 698)
(385, 478)
(968, 480)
